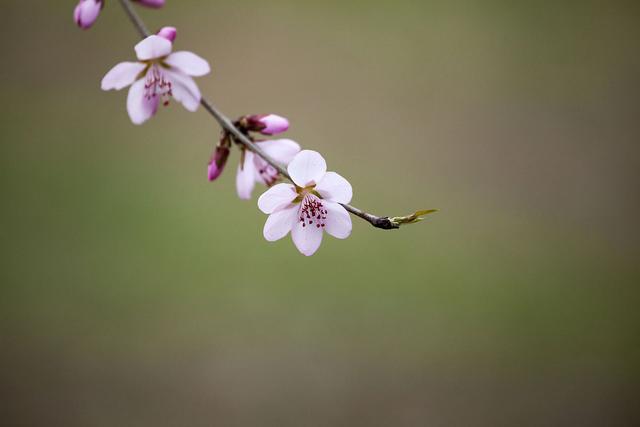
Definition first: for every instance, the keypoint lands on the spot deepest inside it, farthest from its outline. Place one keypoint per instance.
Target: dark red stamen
(312, 209)
(156, 84)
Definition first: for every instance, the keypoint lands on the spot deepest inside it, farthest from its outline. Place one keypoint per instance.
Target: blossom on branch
(316, 201)
(158, 75)
(309, 207)
(254, 169)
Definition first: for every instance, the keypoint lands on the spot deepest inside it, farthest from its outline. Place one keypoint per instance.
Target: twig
(382, 222)
(135, 19)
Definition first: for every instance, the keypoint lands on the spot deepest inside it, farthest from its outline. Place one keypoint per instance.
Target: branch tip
(412, 218)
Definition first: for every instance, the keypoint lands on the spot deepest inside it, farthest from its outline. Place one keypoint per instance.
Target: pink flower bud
(217, 162)
(267, 124)
(86, 12)
(151, 3)
(168, 33)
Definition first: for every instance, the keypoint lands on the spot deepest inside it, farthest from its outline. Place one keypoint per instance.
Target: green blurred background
(136, 293)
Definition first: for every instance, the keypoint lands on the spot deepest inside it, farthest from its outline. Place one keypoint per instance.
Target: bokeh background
(135, 293)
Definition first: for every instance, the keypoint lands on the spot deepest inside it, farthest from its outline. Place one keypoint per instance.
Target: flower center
(157, 84)
(268, 173)
(312, 211)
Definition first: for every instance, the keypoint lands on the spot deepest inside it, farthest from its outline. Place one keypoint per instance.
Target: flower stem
(135, 19)
(381, 222)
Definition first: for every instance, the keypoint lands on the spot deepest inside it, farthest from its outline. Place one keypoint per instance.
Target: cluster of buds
(253, 168)
(266, 124)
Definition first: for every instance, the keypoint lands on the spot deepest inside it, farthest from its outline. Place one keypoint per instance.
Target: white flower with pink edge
(310, 207)
(158, 76)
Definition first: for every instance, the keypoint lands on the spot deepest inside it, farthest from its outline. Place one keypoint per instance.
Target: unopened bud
(168, 33)
(86, 12)
(267, 124)
(218, 161)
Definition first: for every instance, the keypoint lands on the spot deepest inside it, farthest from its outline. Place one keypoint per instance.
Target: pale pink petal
(307, 238)
(122, 75)
(335, 188)
(307, 168)
(189, 63)
(281, 150)
(140, 108)
(280, 223)
(246, 177)
(169, 33)
(153, 47)
(184, 89)
(277, 197)
(338, 221)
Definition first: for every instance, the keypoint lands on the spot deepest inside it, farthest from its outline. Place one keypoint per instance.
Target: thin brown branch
(381, 222)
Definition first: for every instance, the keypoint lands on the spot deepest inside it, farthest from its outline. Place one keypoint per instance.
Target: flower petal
(306, 238)
(335, 188)
(140, 108)
(246, 177)
(278, 196)
(338, 221)
(122, 75)
(153, 47)
(184, 89)
(280, 223)
(307, 168)
(281, 150)
(188, 63)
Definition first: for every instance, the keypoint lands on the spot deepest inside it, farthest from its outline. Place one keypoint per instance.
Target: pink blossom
(267, 124)
(86, 12)
(158, 74)
(308, 207)
(254, 168)
(168, 33)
